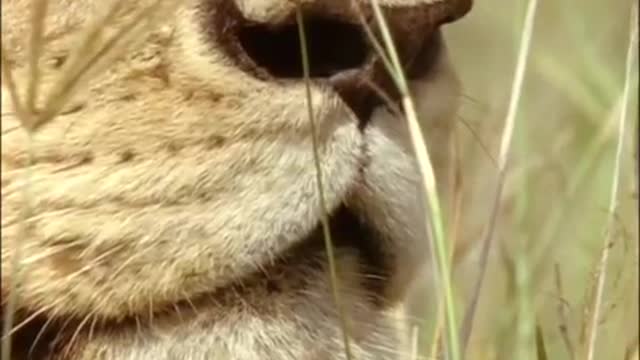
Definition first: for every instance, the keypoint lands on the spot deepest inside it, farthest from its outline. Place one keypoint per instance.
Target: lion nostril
(333, 47)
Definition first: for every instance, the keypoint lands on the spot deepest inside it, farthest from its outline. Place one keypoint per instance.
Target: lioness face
(171, 208)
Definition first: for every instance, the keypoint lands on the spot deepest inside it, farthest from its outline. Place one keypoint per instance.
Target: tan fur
(163, 199)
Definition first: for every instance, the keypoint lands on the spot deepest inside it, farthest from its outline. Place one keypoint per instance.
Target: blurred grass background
(554, 211)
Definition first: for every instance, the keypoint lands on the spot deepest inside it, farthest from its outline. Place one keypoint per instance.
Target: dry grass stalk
(335, 285)
(562, 314)
(613, 204)
(503, 161)
(454, 234)
(435, 226)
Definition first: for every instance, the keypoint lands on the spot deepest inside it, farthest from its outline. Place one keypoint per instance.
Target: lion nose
(339, 43)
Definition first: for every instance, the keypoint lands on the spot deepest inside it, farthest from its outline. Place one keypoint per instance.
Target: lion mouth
(341, 53)
(334, 46)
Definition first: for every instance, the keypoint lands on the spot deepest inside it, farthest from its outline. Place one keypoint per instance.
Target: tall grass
(615, 189)
(556, 202)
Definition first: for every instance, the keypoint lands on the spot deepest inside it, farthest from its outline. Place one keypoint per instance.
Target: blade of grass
(456, 215)
(541, 348)
(562, 314)
(392, 69)
(335, 285)
(437, 335)
(613, 204)
(503, 161)
(434, 219)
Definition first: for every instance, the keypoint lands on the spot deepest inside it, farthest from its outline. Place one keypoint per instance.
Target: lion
(160, 172)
